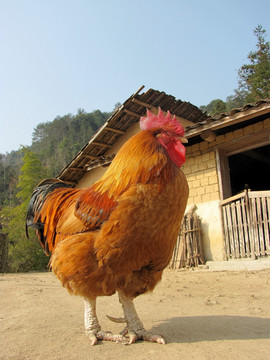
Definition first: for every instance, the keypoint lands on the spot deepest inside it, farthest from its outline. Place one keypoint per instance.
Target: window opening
(250, 169)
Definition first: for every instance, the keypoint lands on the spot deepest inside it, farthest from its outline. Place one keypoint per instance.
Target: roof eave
(227, 121)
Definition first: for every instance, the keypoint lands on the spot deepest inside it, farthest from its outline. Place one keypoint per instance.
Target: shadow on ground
(213, 328)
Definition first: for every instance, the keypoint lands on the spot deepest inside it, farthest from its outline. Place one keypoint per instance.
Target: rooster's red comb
(159, 121)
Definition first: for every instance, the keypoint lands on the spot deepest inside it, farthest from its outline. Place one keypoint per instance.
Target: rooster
(119, 234)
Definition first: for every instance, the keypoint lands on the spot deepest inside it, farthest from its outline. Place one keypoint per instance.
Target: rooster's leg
(135, 327)
(92, 327)
(91, 323)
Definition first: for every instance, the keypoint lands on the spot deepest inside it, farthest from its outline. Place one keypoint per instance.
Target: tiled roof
(127, 114)
(259, 108)
(93, 154)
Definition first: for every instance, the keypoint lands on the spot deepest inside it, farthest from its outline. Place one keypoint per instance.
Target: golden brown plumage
(119, 234)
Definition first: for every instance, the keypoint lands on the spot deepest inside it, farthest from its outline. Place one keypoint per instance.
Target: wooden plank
(175, 254)
(132, 113)
(76, 168)
(235, 232)
(182, 253)
(115, 130)
(224, 180)
(268, 207)
(223, 233)
(251, 194)
(98, 143)
(259, 222)
(256, 194)
(68, 181)
(232, 198)
(266, 224)
(230, 231)
(254, 227)
(142, 103)
(268, 212)
(250, 224)
(93, 157)
(240, 229)
(245, 228)
(188, 242)
(226, 234)
(193, 236)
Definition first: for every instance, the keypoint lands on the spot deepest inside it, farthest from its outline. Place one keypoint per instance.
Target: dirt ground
(202, 315)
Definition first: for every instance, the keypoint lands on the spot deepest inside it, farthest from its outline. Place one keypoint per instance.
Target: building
(227, 168)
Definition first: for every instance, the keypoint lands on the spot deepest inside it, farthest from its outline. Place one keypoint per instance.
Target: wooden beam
(93, 157)
(114, 130)
(132, 113)
(142, 103)
(138, 91)
(208, 136)
(246, 142)
(76, 168)
(100, 144)
(154, 110)
(97, 165)
(68, 181)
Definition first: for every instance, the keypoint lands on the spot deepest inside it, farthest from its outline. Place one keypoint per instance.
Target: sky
(58, 56)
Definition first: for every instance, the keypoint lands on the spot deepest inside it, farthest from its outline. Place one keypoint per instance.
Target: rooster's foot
(104, 335)
(126, 337)
(144, 335)
(135, 328)
(134, 335)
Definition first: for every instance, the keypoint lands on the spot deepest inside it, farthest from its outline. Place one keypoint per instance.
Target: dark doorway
(250, 169)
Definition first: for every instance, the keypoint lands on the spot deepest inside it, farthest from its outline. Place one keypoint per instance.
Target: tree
(254, 78)
(215, 107)
(54, 144)
(235, 101)
(30, 174)
(24, 254)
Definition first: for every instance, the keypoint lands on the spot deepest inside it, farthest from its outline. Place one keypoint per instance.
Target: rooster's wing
(85, 211)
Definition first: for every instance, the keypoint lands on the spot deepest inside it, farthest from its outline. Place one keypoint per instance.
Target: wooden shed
(227, 167)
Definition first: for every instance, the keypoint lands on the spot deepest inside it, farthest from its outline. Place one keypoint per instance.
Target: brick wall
(201, 168)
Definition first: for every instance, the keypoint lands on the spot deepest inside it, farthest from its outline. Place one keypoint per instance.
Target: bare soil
(202, 315)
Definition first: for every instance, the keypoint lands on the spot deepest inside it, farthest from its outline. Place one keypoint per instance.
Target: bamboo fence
(188, 250)
(246, 223)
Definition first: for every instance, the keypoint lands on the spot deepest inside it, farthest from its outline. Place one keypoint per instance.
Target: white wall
(209, 213)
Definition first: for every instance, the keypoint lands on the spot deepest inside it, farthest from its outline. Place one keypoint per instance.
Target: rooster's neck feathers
(141, 160)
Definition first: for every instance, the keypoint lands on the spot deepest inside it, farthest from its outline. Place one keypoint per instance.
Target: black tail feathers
(37, 199)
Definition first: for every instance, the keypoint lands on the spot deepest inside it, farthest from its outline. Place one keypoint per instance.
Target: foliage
(214, 107)
(30, 174)
(254, 78)
(54, 144)
(60, 140)
(9, 172)
(24, 254)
